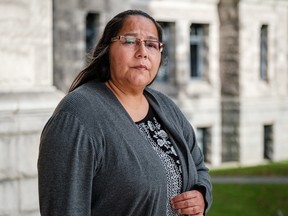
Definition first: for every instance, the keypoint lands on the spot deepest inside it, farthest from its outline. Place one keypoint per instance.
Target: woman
(114, 146)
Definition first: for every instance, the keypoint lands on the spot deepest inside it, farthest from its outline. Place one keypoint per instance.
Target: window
(204, 142)
(198, 50)
(91, 30)
(264, 53)
(165, 71)
(268, 142)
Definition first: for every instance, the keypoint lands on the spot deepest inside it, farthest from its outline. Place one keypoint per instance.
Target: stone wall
(27, 99)
(263, 102)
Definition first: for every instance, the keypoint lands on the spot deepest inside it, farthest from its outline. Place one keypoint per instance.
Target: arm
(66, 167)
(203, 185)
(198, 200)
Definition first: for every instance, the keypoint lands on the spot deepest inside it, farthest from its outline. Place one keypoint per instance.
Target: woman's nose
(141, 50)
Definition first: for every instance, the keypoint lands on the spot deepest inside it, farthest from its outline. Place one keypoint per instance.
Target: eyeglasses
(151, 45)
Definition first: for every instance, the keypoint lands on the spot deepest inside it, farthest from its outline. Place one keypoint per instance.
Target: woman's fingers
(196, 210)
(189, 203)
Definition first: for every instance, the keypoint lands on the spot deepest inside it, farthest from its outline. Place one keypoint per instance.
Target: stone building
(226, 66)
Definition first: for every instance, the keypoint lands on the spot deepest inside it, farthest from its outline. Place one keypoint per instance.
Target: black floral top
(152, 129)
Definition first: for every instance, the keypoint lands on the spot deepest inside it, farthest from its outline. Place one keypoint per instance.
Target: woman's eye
(130, 41)
(152, 44)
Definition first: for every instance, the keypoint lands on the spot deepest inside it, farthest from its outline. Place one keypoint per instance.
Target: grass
(249, 200)
(231, 199)
(270, 169)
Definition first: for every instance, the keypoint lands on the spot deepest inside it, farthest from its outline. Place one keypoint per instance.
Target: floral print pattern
(159, 140)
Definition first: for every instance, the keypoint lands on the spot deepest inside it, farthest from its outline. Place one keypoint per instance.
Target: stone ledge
(29, 101)
(26, 112)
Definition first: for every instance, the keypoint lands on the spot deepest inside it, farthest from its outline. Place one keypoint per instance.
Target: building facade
(226, 66)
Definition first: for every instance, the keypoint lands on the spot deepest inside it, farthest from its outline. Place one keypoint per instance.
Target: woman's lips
(141, 67)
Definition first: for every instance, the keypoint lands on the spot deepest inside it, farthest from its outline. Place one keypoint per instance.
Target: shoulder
(86, 104)
(86, 97)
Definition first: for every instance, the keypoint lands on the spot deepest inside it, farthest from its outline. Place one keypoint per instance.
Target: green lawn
(251, 199)
(270, 169)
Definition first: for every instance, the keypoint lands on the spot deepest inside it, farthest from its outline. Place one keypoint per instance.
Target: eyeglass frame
(138, 41)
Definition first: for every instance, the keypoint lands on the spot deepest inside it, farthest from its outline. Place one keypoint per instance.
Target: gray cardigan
(93, 160)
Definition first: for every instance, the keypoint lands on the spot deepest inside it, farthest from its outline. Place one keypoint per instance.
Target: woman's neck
(134, 102)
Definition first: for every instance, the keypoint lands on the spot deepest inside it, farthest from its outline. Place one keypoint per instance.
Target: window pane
(194, 60)
(264, 52)
(204, 142)
(198, 50)
(268, 142)
(91, 31)
(164, 71)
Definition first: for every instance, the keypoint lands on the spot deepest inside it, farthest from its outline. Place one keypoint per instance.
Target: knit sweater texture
(93, 160)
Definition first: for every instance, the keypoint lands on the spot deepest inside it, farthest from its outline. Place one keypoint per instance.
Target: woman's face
(134, 66)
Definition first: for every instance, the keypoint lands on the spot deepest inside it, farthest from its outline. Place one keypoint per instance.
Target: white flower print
(162, 134)
(160, 142)
(151, 125)
(173, 150)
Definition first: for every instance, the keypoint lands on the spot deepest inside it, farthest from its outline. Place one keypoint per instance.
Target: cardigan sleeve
(66, 166)
(204, 181)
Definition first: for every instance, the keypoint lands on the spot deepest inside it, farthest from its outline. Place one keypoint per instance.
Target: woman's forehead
(136, 24)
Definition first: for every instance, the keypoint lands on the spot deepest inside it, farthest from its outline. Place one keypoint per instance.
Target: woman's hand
(189, 203)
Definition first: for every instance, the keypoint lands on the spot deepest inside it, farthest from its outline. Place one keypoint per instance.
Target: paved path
(245, 180)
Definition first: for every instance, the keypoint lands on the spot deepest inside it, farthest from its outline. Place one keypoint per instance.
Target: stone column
(27, 99)
(229, 72)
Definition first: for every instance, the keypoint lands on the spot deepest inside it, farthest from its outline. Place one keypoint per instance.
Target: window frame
(199, 51)
(204, 139)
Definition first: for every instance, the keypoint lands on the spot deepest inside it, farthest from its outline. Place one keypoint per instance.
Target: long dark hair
(99, 66)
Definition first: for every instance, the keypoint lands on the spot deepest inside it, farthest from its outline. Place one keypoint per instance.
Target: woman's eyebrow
(135, 35)
(131, 34)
